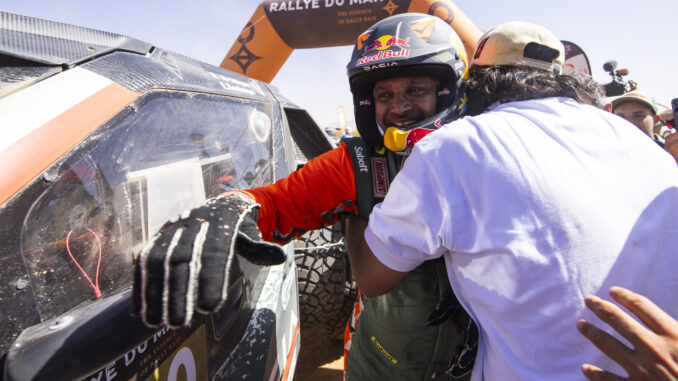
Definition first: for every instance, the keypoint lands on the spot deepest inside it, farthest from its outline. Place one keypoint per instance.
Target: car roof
(53, 43)
(34, 49)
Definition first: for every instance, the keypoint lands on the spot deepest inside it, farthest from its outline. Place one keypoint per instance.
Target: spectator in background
(670, 138)
(671, 145)
(663, 128)
(641, 110)
(667, 117)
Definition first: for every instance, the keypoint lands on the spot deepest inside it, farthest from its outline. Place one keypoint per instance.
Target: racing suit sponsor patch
(380, 176)
(383, 351)
(361, 159)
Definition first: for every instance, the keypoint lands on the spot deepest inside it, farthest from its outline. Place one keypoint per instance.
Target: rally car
(102, 139)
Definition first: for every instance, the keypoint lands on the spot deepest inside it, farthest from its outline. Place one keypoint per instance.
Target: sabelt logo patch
(379, 177)
(361, 159)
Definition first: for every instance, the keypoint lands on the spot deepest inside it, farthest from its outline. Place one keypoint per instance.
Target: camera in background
(618, 86)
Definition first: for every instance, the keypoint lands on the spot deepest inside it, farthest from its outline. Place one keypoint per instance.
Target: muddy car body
(105, 137)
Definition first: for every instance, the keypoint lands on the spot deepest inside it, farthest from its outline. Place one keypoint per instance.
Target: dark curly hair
(486, 85)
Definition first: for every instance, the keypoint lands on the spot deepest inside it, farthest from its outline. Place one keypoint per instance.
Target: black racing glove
(185, 266)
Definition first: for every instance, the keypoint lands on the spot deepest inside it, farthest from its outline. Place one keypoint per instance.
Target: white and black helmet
(409, 44)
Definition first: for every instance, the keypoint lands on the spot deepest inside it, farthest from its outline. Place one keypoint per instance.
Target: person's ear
(608, 107)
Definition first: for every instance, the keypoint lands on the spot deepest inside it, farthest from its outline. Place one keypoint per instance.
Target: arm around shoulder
(373, 277)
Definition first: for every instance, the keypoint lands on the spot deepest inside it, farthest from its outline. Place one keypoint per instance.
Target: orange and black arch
(277, 27)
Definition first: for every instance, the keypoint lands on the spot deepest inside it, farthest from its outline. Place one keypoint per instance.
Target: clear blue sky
(640, 35)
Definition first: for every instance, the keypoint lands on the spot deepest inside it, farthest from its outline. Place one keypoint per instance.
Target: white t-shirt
(535, 205)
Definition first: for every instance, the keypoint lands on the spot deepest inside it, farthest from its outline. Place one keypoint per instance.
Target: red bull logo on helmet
(384, 55)
(386, 41)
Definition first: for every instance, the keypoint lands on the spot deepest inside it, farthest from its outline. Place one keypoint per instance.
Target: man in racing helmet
(406, 45)
(405, 74)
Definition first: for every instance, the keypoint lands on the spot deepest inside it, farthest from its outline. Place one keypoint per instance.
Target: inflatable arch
(277, 27)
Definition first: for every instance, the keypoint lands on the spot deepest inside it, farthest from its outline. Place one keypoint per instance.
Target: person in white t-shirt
(535, 201)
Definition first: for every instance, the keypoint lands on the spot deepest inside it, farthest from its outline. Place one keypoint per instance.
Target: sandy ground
(320, 358)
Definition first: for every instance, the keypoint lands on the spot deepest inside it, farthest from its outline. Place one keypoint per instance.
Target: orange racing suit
(320, 193)
(317, 194)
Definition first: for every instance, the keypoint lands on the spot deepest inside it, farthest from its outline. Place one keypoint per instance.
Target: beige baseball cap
(520, 43)
(636, 96)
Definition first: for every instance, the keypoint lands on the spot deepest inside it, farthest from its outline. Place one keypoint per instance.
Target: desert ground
(320, 357)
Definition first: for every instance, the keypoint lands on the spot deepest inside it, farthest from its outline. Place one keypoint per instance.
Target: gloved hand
(185, 266)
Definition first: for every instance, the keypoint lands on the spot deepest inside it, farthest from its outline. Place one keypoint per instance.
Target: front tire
(326, 287)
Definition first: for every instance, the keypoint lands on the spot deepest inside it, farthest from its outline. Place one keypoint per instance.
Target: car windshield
(83, 222)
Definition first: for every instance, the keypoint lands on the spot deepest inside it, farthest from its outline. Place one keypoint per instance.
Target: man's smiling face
(403, 101)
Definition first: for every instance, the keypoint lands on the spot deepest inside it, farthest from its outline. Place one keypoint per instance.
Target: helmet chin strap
(401, 142)
(382, 130)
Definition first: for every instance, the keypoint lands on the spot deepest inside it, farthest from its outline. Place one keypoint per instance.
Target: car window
(82, 223)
